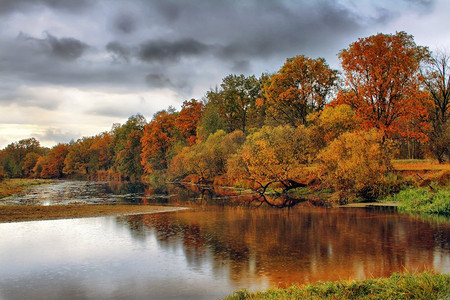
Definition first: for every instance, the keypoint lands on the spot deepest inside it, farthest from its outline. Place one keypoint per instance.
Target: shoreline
(24, 213)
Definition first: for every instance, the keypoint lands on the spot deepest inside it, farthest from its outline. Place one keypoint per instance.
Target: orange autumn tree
(382, 76)
(156, 141)
(188, 119)
(52, 165)
(303, 85)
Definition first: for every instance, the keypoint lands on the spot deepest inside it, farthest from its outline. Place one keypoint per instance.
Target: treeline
(305, 123)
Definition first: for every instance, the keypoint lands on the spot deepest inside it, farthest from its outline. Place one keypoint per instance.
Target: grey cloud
(7, 6)
(119, 51)
(63, 48)
(159, 80)
(57, 135)
(125, 23)
(66, 48)
(163, 50)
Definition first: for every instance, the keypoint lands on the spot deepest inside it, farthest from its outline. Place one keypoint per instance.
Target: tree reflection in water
(298, 245)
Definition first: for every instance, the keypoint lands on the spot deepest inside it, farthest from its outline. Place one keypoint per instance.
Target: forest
(306, 125)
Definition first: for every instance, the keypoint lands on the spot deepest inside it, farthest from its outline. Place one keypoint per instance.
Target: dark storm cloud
(125, 23)
(8, 6)
(181, 43)
(163, 50)
(64, 48)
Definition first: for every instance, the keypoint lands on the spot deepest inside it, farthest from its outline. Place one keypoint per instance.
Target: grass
(399, 286)
(13, 186)
(423, 201)
(19, 213)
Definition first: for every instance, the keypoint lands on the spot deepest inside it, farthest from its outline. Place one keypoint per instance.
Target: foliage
(78, 158)
(398, 286)
(301, 86)
(52, 165)
(188, 120)
(272, 154)
(355, 164)
(156, 141)
(382, 75)
(12, 158)
(327, 125)
(236, 101)
(211, 121)
(423, 200)
(29, 162)
(207, 159)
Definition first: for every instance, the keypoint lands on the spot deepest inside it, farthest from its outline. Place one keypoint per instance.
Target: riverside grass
(13, 186)
(423, 201)
(424, 285)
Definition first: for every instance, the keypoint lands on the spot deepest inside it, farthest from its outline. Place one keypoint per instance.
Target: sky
(73, 68)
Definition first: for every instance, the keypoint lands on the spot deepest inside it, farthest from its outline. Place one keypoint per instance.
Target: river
(222, 243)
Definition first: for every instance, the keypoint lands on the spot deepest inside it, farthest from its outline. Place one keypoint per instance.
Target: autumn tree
(437, 82)
(188, 119)
(29, 162)
(302, 85)
(157, 140)
(327, 125)
(102, 151)
(382, 76)
(78, 159)
(272, 154)
(52, 165)
(207, 159)
(13, 156)
(355, 163)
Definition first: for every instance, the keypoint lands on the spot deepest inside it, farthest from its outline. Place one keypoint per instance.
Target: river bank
(398, 286)
(11, 186)
(20, 213)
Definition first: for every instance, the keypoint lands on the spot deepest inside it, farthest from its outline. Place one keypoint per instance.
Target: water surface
(210, 250)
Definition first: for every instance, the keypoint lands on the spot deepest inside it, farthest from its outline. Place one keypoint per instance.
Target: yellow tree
(272, 154)
(355, 163)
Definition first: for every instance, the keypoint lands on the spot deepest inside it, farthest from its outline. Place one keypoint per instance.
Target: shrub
(355, 164)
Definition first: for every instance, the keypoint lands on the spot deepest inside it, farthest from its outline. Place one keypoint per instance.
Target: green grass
(398, 286)
(423, 201)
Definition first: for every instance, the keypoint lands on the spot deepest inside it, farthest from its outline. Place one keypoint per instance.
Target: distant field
(419, 165)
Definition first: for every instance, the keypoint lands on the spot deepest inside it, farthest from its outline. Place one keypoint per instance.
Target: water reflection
(221, 244)
(298, 245)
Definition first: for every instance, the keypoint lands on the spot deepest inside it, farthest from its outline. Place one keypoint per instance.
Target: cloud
(56, 135)
(8, 6)
(170, 50)
(125, 23)
(162, 50)
(119, 51)
(65, 48)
